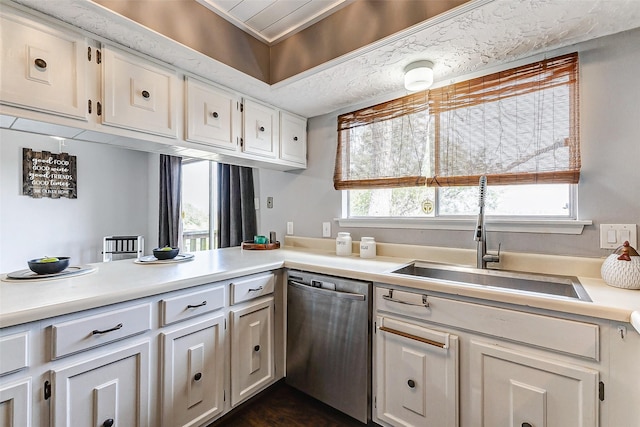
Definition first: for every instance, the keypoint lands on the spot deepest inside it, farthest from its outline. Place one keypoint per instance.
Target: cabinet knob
(256, 348)
(108, 422)
(197, 376)
(411, 383)
(214, 114)
(526, 425)
(40, 63)
(295, 138)
(145, 94)
(261, 128)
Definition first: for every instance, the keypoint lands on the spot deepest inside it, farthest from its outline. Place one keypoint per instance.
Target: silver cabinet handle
(412, 337)
(203, 303)
(425, 302)
(115, 328)
(329, 292)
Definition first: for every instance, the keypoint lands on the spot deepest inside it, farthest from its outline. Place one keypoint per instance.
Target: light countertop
(119, 281)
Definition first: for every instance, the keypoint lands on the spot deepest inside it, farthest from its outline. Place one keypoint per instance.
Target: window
(199, 228)
(423, 154)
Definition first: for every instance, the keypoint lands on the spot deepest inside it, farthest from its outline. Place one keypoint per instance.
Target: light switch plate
(289, 228)
(326, 229)
(613, 236)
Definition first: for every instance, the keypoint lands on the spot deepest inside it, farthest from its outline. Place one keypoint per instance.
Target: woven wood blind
(519, 126)
(383, 146)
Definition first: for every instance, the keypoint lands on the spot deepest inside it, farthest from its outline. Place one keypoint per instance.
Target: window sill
(559, 226)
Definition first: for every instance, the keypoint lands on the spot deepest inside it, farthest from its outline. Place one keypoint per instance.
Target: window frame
(212, 205)
(569, 224)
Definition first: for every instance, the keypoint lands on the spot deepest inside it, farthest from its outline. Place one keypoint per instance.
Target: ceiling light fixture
(418, 75)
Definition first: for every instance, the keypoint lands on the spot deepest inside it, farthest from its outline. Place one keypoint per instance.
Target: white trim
(466, 224)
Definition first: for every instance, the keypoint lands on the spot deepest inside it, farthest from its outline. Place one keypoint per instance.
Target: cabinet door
(512, 388)
(252, 362)
(42, 68)
(193, 373)
(211, 115)
(260, 129)
(107, 390)
(138, 94)
(15, 404)
(293, 138)
(416, 375)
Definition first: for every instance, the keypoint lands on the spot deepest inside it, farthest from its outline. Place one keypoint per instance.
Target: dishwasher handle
(329, 292)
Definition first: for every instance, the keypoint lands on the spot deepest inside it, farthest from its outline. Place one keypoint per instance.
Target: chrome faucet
(480, 233)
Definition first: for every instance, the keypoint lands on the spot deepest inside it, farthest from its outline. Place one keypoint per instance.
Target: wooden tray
(249, 245)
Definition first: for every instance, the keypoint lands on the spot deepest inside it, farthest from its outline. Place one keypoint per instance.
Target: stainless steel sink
(550, 285)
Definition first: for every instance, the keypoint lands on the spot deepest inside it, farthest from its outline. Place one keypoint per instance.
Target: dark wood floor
(283, 406)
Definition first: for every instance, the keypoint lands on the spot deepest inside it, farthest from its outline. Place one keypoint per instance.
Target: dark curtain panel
(236, 208)
(170, 195)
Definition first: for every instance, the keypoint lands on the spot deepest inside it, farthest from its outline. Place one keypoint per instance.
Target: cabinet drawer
(88, 332)
(251, 287)
(563, 335)
(193, 304)
(14, 353)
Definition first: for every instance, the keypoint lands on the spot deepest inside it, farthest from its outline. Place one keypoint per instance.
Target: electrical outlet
(326, 229)
(290, 228)
(269, 202)
(613, 236)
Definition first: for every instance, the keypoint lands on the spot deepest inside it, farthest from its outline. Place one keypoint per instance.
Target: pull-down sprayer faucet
(480, 233)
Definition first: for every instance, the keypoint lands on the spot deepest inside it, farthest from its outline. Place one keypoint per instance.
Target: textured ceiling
(273, 20)
(473, 37)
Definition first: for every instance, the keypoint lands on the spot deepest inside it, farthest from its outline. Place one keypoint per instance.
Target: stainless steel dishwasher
(329, 341)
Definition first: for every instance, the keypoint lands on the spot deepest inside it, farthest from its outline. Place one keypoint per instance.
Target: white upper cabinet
(293, 138)
(43, 69)
(212, 115)
(138, 94)
(58, 80)
(260, 129)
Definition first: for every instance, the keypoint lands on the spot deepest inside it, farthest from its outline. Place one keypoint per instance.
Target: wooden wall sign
(49, 175)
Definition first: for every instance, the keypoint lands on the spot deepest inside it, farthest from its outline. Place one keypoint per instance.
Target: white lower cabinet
(417, 375)
(444, 362)
(193, 373)
(514, 388)
(108, 390)
(252, 348)
(15, 404)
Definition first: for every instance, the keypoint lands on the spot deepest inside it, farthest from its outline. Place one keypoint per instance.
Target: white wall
(609, 189)
(113, 198)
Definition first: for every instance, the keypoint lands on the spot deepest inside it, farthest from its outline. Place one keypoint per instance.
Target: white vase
(620, 273)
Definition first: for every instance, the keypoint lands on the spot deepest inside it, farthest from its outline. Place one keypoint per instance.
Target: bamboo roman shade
(518, 126)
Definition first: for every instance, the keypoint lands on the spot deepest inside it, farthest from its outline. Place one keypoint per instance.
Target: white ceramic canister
(367, 247)
(343, 244)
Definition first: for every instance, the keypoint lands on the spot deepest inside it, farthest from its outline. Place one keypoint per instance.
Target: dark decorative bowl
(165, 254)
(54, 267)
